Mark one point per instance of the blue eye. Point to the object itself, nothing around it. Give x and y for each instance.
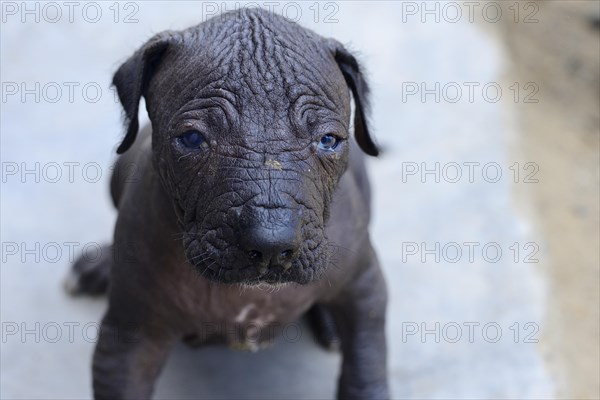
(328, 142)
(193, 140)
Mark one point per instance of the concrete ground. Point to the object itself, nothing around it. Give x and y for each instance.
(461, 324)
(561, 132)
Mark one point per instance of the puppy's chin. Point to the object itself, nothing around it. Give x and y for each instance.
(250, 277)
(265, 286)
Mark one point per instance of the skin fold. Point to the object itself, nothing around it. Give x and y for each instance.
(235, 211)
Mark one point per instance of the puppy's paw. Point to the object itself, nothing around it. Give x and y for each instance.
(90, 276)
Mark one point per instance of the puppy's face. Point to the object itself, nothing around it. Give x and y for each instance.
(250, 118)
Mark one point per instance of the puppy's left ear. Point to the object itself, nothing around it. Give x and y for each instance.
(131, 80)
(355, 79)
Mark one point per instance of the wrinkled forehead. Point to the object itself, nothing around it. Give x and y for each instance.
(255, 62)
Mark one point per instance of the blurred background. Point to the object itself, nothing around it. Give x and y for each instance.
(486, 211)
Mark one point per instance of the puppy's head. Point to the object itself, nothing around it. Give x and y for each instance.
(250, 116)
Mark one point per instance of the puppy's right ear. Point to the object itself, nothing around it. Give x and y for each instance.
(131, 80)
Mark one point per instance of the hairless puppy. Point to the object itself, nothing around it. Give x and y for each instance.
(246, 202)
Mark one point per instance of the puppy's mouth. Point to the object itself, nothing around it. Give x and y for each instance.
(226, 267)
(250, 277)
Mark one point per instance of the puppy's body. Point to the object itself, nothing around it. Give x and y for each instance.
(204, 248)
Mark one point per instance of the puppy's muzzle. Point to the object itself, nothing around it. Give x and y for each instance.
(270, 238)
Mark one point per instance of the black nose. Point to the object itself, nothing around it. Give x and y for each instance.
(272, 239)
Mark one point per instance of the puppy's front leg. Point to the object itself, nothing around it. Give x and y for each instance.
(127, 361)
(359, 313)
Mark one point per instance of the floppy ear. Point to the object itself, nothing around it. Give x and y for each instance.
(357, 83)
(131, 80)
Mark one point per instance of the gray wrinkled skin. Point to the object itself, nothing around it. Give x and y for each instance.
(204, 234)
(262, 103)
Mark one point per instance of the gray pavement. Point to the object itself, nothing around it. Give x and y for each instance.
(495, 303)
